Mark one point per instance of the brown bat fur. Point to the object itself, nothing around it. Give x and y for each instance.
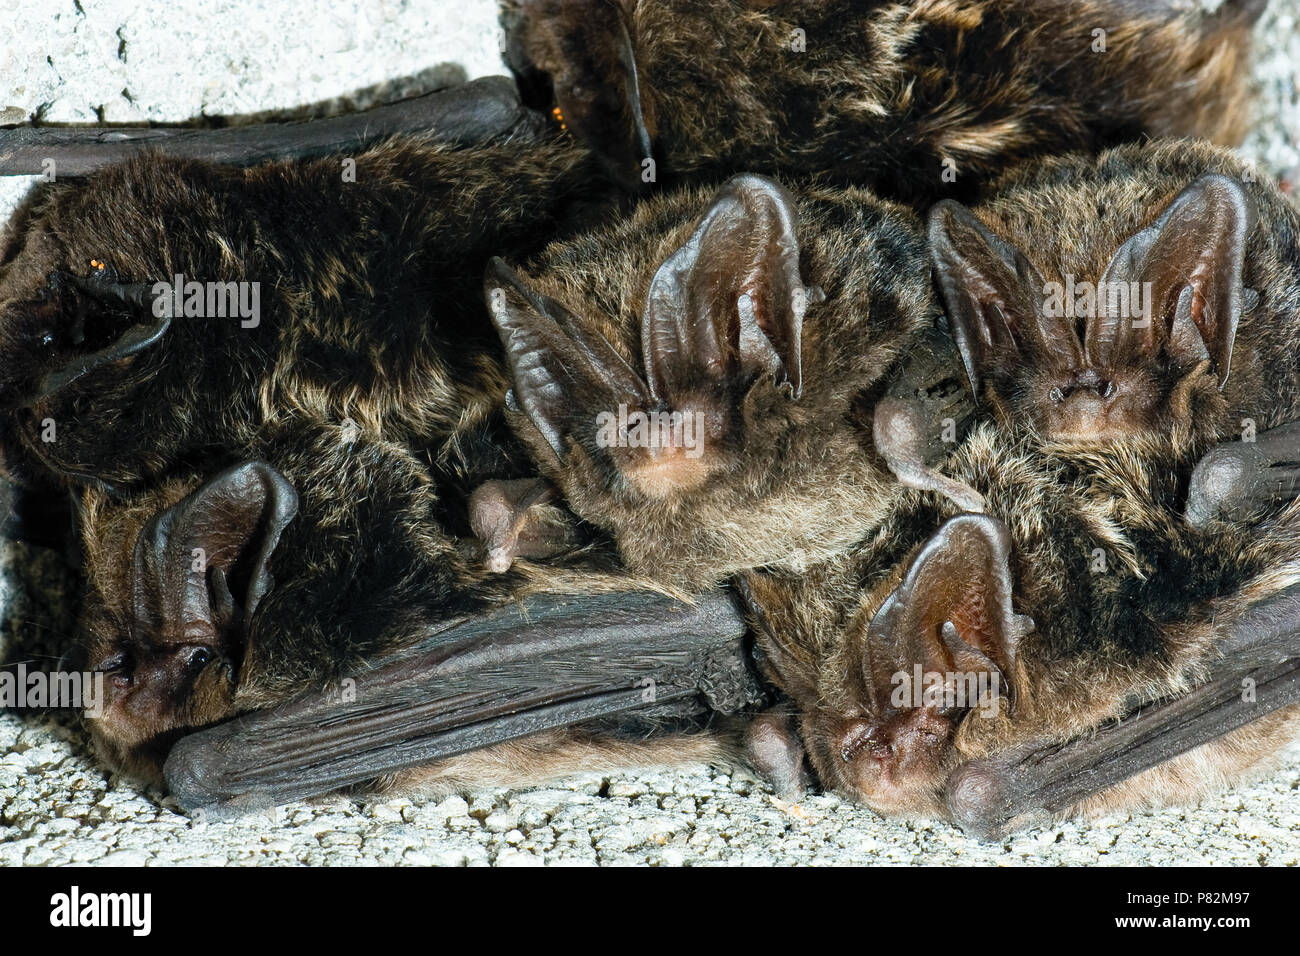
(883, 94)
(1101, 641)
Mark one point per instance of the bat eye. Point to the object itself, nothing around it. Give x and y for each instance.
(1057, 395)
(1106, 389)
(199, 657)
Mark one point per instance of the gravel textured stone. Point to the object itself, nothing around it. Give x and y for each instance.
(126, 61)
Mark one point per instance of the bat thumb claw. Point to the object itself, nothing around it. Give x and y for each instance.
(977, 801)
(499, 560)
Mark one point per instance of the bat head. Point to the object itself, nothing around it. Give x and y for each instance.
(879, 723)
(578, 59)
(62, 338)
(1158, 323)
(168, 625)
(101, 372)
(691, 419)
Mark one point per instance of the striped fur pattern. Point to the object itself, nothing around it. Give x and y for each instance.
(885, 94)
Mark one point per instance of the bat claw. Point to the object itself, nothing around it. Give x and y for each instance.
(791, 806)
(499, 560)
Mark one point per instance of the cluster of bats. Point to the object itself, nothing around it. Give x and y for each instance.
(988, 347)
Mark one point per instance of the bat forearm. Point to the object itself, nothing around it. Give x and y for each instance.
(552, 662)
(482, 109)
(1260, 649)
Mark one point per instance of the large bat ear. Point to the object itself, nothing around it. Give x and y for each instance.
(730, 302)
(561, 372)
(995, 300)
(1192, 257)
(582, 51)
(201, 565)
(952, 614)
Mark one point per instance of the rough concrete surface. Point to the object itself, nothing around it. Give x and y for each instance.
(130, 61)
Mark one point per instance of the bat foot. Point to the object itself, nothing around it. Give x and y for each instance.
(1236, 480)
(978, 801)
(900, 437)
(1215, 480)
(187, 770)
(774, 749)
(520, 519)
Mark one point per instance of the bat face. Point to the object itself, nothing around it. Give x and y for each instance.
(70, 328)
(154, 695)
(879, 708)
(951, 615)
(110, 376)
(1158, 323)
(704, 408)
(984, 83)
(1099, 404)
(49, 330)
(1000, 631)
(174, 588)
(213, 595)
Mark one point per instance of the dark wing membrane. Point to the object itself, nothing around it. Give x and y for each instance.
(549, 662)
(992, 797)
(485, 108)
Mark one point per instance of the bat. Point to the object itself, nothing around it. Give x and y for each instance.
(1061, 653)
(674, 277)
(324, 566)
(1162, 296)
(341, 288)
(700, 379)
(935, 98)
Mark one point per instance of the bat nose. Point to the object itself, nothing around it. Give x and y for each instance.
(867, 737)
(1091, 383)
